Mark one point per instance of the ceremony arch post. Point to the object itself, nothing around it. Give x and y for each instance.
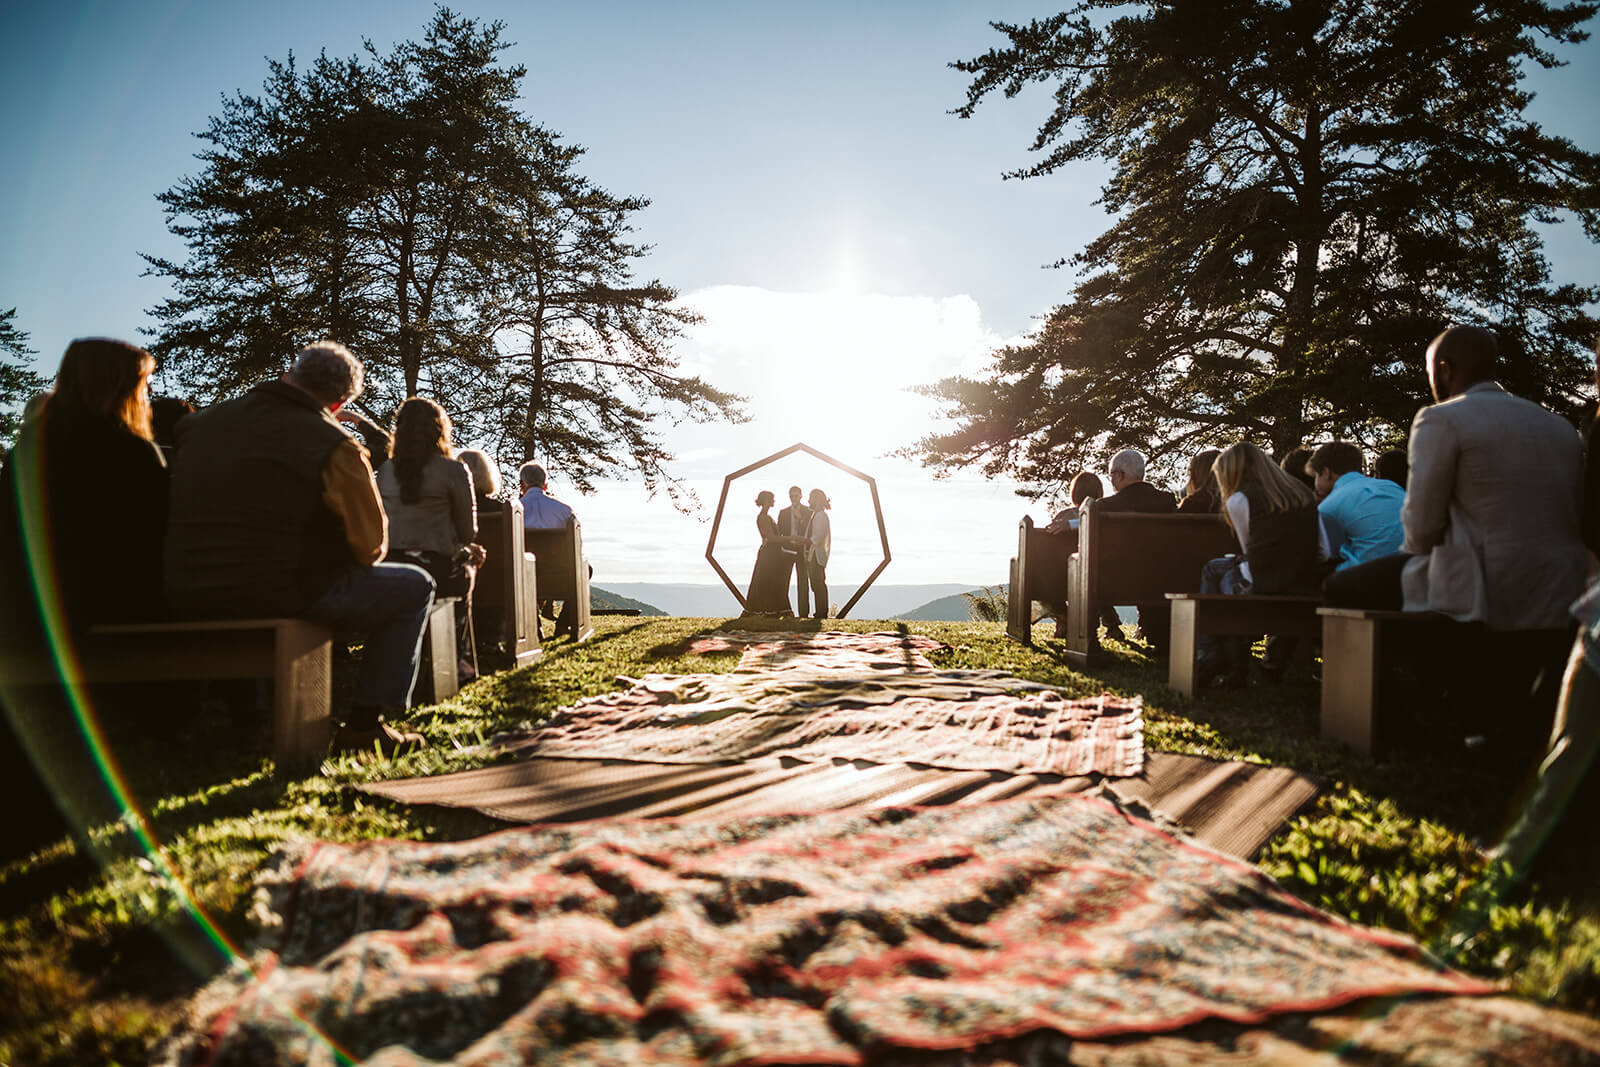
(722, 501)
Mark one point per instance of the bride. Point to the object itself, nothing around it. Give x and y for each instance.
(769, 582)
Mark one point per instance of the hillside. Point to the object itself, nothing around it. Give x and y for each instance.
(606, 600)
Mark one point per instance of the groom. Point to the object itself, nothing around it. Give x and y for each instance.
(794, 521)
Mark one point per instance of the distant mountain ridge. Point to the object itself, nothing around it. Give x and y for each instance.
(699, 600)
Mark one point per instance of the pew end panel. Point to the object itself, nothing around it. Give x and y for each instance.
(562, 572)
(1198, 614)
(506, 592)
(1134, 558)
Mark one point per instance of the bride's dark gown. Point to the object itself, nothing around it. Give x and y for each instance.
(769, 582)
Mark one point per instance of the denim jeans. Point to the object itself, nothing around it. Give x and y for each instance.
(1224, 576)
(387, 605)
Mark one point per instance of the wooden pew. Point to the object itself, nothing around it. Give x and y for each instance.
(1197, 614)
(1039, 572)
(1129, 558)
(505, 594)
(436, 675)
(563, 573)
(1355, 644)
(295, 654)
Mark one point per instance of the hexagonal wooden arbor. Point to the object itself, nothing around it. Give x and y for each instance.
(722, 501)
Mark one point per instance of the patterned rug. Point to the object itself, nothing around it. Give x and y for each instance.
(827, 650)
(962, 720)
(837, 938)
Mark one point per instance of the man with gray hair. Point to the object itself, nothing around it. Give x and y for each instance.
(1130, 492)
(540, 511)
(274, 512)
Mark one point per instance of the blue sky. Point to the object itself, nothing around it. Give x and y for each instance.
(810, 193)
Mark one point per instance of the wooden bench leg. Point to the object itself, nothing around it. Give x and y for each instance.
(1185, 650)
(1350, 665)
(302, 693)
(439, 681)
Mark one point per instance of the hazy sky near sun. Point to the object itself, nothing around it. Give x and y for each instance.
(844, 236)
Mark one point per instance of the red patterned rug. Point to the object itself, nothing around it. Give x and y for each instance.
(838, 938)
(963, 720)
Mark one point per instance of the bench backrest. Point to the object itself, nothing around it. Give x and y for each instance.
(1132, 558)
(563, 572)
(504, 590)
(1040, 573)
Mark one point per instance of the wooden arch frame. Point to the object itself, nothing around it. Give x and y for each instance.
(722, 501)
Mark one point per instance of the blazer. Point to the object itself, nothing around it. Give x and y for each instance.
(1491, 512)
(793, 521)
(821, 537)
(445, 514)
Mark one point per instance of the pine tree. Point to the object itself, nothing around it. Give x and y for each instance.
(400, 203)
(18, 381)
(1304, 192)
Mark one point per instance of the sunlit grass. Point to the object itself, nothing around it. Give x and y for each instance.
(97, 959)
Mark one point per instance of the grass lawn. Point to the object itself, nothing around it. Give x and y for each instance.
(99, 952)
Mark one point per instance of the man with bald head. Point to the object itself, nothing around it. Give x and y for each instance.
(1492, 504)
(1490, 519)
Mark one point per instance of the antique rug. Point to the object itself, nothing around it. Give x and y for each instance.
(827, 650)
(844, 937)
(962, 720)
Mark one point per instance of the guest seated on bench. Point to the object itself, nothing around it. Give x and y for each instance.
(275, 513)
(1360, 515)
(1200, 496)
(1491, 527)
(1130, 492)
(1392, 466)
(485, 479)
(1085, 486)
(541, 511)
(433, 521)
(1274, 517)
(85, 498)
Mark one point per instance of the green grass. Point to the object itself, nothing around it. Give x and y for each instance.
(99, 953)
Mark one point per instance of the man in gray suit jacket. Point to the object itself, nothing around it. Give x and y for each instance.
(1491, 538)
(1491, 508)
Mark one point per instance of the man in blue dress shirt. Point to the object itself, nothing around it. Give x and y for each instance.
(540, 512)
(1360, 515)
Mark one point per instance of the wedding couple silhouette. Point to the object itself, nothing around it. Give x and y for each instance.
(797, 542)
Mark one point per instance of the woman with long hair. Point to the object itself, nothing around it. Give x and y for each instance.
(1200, 496)
(433, 517)
(1274, 516)
(84, 502)
(769, 581)
(85, 496)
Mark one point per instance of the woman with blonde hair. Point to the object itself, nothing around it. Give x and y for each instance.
(1274, 516)
(485, 479)
(84, 464)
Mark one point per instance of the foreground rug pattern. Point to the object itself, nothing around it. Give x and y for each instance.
(963, 720)
(835, 938)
